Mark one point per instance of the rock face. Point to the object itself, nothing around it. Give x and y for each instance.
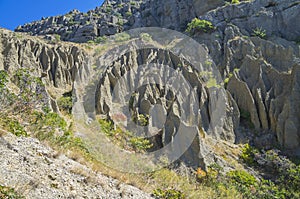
(263, 73)
(111, 18)
(37, 171)
(264, 82)
(115, 16)
(56, 64)
(172, 14)
(167, 109)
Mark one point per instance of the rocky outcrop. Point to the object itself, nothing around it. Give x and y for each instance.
(118, 15)
(111, 18)
(168, 109)
(172, 14)
(37, 171)
(56, 64)
(263, 71)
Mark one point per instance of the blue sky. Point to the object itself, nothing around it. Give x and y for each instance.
(18, 12)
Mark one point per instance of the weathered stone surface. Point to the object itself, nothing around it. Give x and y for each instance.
(263, 70)
(277, 17)
(176, 107)
(115, 16)
(111, 18)
(55, 64)
(37, 171)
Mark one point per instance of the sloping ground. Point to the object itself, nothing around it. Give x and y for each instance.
(37, 171)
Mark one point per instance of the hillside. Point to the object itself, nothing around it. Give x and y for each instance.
(183, 99)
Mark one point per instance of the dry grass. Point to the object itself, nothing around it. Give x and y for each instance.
(2, 132)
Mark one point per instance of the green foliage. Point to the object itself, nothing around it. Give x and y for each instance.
(259, 32)
(57, 37)
(143, 120)
(140, 144)
(12, 125)
(146, 37)
(248, 154)
(198, 25)
(65, 102)
(3, 79)
(125, 139)
(291, 178)
(242, 177)
(226, 80)
(252, 188)
(140, 119)
(108, 9)
(122, 37)
(168, 194)
(99, 40)
(120, 22)
(9, 193)
(53, 120)
(71, 22)
(212, 82)
(45, 124)
(107, 127)
(128, 14)
(15, 128)
(235, 1)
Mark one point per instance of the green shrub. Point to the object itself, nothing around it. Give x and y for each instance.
(54, 120)
(106, 126)
(168, 194)
(15, 127)
(3, 79)
(143, 120)
(259, 32)
(91, 42)
(226, 80)
(198, 25)
(57, 37)
(128, 14)
(65, 103)
(242, 178)
(140, 144)
(108, 10)
(146, 37)
(12, 125)
(248, 154)
(99, 40)
(125, 139)
(291, 179)
(235, 1)
(9, 193)
(120, 22)
(122, 37)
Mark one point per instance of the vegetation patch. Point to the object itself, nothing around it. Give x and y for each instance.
(198, 25)
(122, 37)
(65, 103)
(259, 32)
(124, 139)
(9, 193)
(248, 154)
(168, 194)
